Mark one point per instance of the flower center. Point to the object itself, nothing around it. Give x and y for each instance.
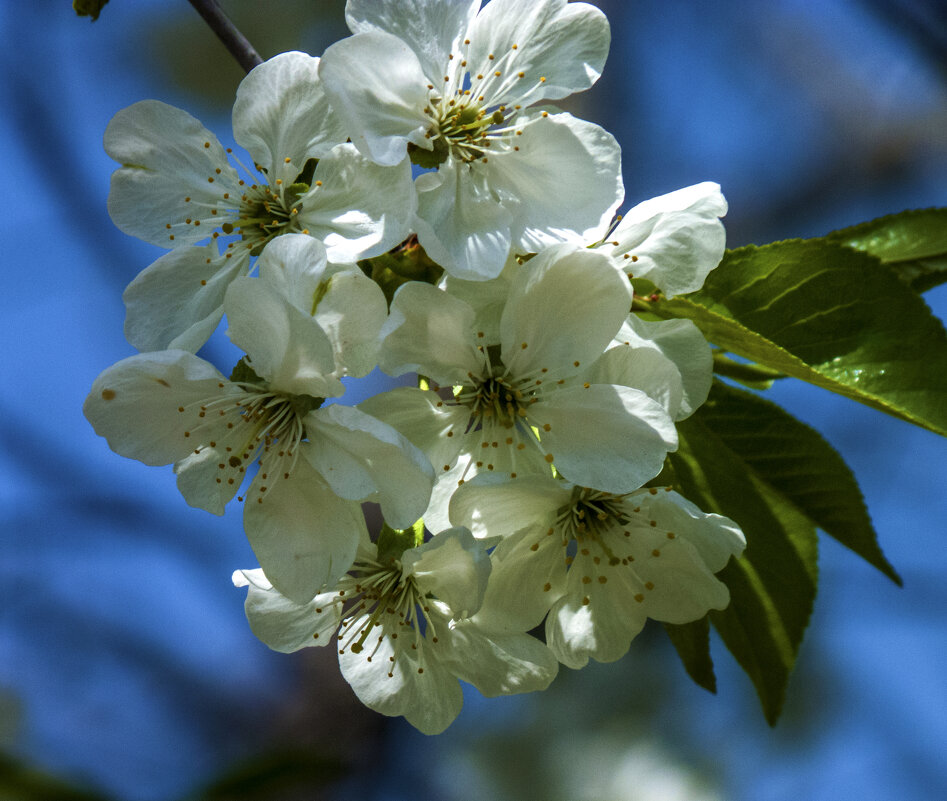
(589, 515)
(379, 598)
(263, 215)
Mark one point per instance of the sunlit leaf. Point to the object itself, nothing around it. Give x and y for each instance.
(832, 316)
(912, 243)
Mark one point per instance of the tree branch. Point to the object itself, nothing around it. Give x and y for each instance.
(227, 32)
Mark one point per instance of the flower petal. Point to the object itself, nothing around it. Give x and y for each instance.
(607, 437)
(282, 116)
(177, 302)
(496, 663)
(565, 306)
(284, 345)
(673, 240)
(563, 43)
(431, 28)
(376, 84)
(429, 332)
(402, 681)
(460, 222)
(493, 505)
(362, 458)
(304, 536)
(282, 624)
(358, 208)
(134, 404)
(565, 177)
(452, 566)
(166, 156)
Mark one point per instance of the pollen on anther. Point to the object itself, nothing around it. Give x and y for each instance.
(524, 346)
(671, 535)
(521, 74)
(586, 601)
(109, 394)
(206, 144)
(653, 523)
(549, 458)
(210, 180)
(639, 598)
(534, 546)
(547, 587)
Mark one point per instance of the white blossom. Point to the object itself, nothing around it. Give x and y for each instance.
(456, 90)
(401, 629)
(178, 187)
(598, 563)
(673, 240)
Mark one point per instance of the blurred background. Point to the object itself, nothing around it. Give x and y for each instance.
(127, 670)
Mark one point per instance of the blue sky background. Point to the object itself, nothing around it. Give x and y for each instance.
(125, 659)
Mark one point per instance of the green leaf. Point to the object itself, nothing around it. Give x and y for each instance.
(829, 315)
(773, 585)
(912, 243)
(692, 643)
(88, 8)
(392, 542)
(797, 462)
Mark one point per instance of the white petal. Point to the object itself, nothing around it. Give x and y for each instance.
(498, 664)
(428, 422)
(282, 624)
(486, 298)
(565, 306)
(414, 684)
(461, 224)
(282, 112)
(453, 567)
(377, 86)
(566, 177)
(673, 240)
(359, 209)
(564, 43)
(594, 619)
(304, 536)
(492, 505)
(429, 332)
(352, 312)
(177, 302)
(166, 156)
(362, 458)
(284, 345)
(642, 367)
(528, 576)
(430, 28)
(134, 404)
(294, 265)
(606, 437)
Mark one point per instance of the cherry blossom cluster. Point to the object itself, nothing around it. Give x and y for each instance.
(513, 477)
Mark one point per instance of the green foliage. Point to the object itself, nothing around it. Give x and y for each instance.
(243, 373)
(796, 461)
(392, 542)
(912, 243)
(773, 585)
(692, 643)
(88, 8)
(830, 315)
(746, 458)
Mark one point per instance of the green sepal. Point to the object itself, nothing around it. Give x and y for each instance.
(392, 542)
(243, 373)
(302, 184)
(692, 643)
(429, 159)
(912, 243)
(829, 315)
(408, 262)
(88, 8)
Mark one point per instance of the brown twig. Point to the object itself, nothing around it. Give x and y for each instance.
(227, 32)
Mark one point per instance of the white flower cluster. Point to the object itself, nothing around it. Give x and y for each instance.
(543, 405)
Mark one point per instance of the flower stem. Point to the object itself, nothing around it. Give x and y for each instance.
(238, 45)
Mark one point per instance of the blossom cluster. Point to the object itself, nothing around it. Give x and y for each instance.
(410, 203)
